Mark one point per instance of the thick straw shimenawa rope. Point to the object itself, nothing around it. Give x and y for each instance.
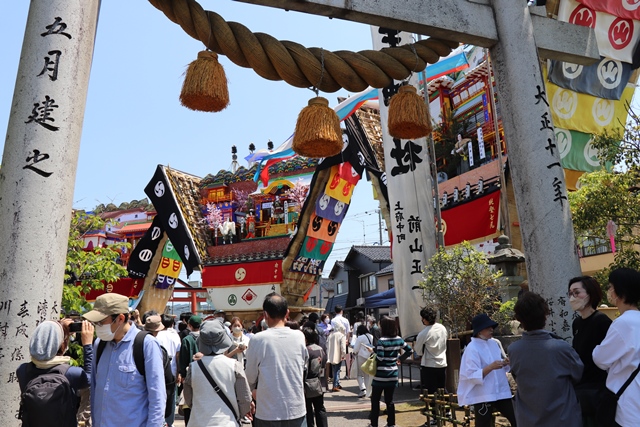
(294, 63)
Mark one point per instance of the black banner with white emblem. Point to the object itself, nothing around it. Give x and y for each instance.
(161, 195)
(142, 254)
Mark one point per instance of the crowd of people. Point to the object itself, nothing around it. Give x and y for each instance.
(558, 384)
(275, 372)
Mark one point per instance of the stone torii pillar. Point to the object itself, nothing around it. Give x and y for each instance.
(515, 37)
(38, 175)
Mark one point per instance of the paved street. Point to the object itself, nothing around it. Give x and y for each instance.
(345, 406)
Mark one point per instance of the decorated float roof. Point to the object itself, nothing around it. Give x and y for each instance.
(187, 189)
(284, 168)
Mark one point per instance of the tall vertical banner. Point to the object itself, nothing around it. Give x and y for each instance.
(410, 201)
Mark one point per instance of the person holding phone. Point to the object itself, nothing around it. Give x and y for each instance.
(483, 375)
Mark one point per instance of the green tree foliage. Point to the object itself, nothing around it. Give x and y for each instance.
(93, 268)
(460, 283)
(621, 149)
(605, 196)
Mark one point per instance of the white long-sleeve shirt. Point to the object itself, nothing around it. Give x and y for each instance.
(473, 388)
(619, 355)
(431, 343)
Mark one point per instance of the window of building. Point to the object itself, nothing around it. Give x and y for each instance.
(391, 283)
(373, 283)
(368, 283)
(364, 284)
(339, 288)
(313, 301)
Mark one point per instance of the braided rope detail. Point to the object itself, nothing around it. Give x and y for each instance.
(297, 65)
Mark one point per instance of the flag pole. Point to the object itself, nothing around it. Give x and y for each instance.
(504, 202)
(432, 159)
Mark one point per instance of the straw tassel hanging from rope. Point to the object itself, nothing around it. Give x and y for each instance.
(318, 132)
(205, 84)
(408, 115)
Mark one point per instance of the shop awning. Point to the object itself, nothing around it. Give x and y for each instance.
(383, 299)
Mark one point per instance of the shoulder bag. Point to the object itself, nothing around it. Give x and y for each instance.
(370, 365)
(224, 398)
(607, 402)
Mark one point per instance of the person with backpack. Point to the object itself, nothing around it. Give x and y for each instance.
(120, 393)
(313, 391)
(188, 349)
(49, 386)
(170, 340)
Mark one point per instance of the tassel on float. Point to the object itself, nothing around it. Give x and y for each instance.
(408, 115)
(318, 133)
(205, 84)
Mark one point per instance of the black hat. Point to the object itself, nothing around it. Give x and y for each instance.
(313, 317)
(480, 322)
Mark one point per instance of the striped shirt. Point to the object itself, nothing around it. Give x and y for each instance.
(387, 352)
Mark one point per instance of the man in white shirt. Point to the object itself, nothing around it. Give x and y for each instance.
(341, 320)
(431, 344)
(170, 340)
(276, 362)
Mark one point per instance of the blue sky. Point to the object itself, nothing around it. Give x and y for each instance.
(133, 119)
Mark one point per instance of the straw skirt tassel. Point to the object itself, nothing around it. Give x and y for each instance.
(408, 115)
(205, 84)
(318, 132)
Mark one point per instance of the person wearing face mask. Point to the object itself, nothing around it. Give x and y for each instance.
(483, 375)
(589, 329)
(120, 395)
(240, 341)
(545, 368)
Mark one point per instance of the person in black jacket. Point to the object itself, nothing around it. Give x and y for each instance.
(314, 395)
(589, 329)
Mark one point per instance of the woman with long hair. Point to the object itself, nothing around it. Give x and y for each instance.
(388, 350)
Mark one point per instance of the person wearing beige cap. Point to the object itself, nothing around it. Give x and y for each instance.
(154, 324)
(120, 395)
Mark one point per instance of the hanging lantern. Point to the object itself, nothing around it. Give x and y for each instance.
(205, 84)
(408, 115)
(318, 132)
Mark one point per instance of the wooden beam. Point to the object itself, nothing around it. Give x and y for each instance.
(458, 20)
(464, 21)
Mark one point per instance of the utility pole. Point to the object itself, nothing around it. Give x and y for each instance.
(380, 224)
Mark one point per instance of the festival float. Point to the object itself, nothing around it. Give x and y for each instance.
(253, 231)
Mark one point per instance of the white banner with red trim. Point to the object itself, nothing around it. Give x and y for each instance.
(241, 298)
(617, 37)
